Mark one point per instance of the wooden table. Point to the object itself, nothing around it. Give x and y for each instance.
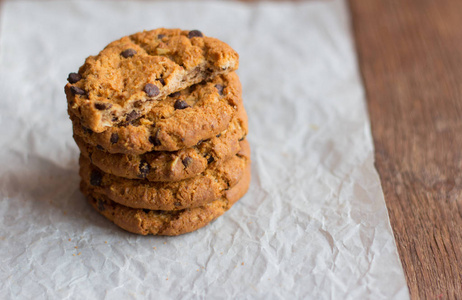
(410, 54)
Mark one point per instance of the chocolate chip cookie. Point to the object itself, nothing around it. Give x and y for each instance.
(203, 188)
(163, 165)
(157, 222)
(179, 121)
(132, 75)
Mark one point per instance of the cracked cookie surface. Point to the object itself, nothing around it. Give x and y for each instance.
(131, 75)
(203, 188)
(156, 222)
(179, 121)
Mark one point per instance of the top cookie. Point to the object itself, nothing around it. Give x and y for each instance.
(127, 78)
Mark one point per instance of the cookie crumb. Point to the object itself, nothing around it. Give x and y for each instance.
(314, 126)
(73, 254)
(79, 253)
(165, 243)
(105, 242)
(242, 264)
(154, 248)
(76, 247)
(69, 240)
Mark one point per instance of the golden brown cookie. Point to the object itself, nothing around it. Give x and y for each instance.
(156, 222)
(207, 109)
(163, 165)
(131, 75)
(166, 166)
(203, 188)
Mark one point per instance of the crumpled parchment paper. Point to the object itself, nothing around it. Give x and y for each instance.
(314, 222)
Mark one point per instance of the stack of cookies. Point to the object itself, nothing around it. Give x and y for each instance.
(159, 120)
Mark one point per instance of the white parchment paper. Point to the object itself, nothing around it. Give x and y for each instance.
(314, 223)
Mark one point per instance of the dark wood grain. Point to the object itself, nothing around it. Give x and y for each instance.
(410, 54)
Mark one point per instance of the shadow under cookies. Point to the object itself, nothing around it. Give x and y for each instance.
(39, 189)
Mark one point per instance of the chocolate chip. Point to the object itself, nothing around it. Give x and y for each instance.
(180, 104)
(220, 88)
(151, 90)
(144, 169)
(77, 91)
(195, 33)
(74, 77)
(160, 36)
(210, 159)
(87, 130)
(128, 53)
(96, 178)
(99, 147)
(154, 140)
(100, 205)
(138, 104)
(186, 161)
(218, 135)
(146, 210)
(200, 142)
(176, 94)
(103, 106)
(241, 139)
(161, 80)
(132, 116)
(114, 138)
(177, 204)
